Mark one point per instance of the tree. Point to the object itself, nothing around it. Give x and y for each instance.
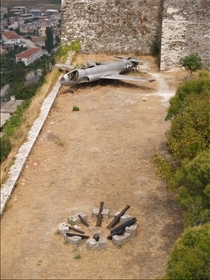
(49, 39)
(191, 62)
(193, 181)
(190, 258)
(190, 119)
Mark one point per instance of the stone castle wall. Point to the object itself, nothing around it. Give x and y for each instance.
(116, 26)
(132, 26)
(185, 29)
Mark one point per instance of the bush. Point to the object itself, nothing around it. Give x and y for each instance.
(16, 119)
(64, 49)
(191, 255)
(191, 62)
(5, 147)
(193, 181)
(75, 108)
(192, 87)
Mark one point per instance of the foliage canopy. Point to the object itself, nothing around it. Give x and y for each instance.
(191, 62)
(187, 172)
(190, 258)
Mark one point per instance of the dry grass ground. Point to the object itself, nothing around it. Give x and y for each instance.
(101, 153)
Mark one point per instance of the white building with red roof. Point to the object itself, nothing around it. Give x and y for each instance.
(11, 37)
(29, 56)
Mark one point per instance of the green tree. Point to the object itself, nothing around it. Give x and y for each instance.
(190, 120)
(49, 39)
(193, 181)
(190, 258)
(191, 62)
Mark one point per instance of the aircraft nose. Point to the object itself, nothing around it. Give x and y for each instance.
(62, 79)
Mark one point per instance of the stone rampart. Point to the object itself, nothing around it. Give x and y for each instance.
(185, 29)
(132, 26)
(114, 26)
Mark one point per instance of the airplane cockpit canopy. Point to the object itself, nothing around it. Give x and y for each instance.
(73, 75)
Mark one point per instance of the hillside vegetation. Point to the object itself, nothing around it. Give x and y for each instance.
(187, 173)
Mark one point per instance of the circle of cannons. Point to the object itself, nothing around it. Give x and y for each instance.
(122, 228)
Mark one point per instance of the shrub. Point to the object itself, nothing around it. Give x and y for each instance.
(191, 62)
(75, 108)
(190, 256)
(5, 147)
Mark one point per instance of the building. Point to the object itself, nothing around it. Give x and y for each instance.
(39, 41)
(11, 38)
(36, 12)
(18, 10)
(29, 56)
(3, 11)
(7, 110)
(42, 31)
(28, 28)
(3, 24)
(50, 12)
(27, 16)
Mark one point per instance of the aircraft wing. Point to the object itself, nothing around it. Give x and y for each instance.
(125, 77)
(64, 66)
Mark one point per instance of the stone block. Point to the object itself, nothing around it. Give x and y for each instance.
(74, 240)
(74, 219)
(92, 244)
(124, 218)
(63, 228)
(119, 240)
(131, 229)
(105, 213)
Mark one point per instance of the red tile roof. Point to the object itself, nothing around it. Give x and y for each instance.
(11, 35)
(27, 53)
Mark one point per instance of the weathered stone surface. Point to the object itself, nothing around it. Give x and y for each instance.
(92, 244)
(63, 228)
(111, 26)
(131, 229)
(119, 240)
(74, 240)
(124, 218)
(74, 219)
(185, 29)
(105, 213)
(132, 26)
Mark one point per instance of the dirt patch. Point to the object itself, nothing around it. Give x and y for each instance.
(101, 153)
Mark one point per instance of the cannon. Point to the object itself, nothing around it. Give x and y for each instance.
(119, 230)
(117, 218)
(99, 215)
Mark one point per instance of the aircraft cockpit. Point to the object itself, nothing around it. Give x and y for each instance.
(73, 76)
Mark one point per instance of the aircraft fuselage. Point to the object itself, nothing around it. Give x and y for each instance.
(94, 73)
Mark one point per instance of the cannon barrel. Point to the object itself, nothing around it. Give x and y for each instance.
(99, 215)
(117, 218)
(120, 232)
(83, 221)
(123, 226)
(76, 229)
